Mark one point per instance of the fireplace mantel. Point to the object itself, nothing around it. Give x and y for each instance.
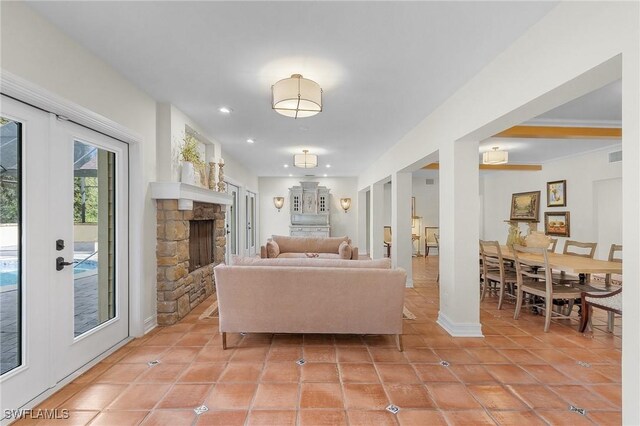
(186, 194)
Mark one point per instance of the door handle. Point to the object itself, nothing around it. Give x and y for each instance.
(60, 263)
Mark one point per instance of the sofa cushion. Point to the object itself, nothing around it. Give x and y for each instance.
(317, 262)
(273, 250)
(308, 244)
(344, 250)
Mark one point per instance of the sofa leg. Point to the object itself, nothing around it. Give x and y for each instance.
(224, 340)
(399, 342)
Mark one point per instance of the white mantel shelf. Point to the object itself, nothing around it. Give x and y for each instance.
(186, 194)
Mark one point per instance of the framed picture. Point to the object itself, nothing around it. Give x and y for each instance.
(557, 193)
(557, 223)
(525, 206)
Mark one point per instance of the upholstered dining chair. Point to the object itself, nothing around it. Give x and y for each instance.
(534, 277)
(610, 302)
(494, 270)
(387, 239)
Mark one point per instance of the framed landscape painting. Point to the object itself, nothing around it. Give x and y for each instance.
(557, 193)
(525, 206)
(557, 223)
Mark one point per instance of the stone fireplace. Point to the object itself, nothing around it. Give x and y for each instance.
(190, 243)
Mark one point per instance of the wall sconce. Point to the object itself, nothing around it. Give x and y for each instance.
(345, 203)
(278, 202)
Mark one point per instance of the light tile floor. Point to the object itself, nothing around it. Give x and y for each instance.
(517, 374)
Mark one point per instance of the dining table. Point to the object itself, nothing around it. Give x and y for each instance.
(570, 264)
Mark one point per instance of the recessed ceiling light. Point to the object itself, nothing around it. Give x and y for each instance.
(225, 110)
(250, 141)
(328, 166)
(286, 165)
(325, 175)
(290, 175)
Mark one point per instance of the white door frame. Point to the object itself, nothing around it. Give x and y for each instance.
(27, 92)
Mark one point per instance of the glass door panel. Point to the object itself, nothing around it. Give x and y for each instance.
(10, 245)
(94, 232)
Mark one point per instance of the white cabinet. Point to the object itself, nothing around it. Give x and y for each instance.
(310, 207)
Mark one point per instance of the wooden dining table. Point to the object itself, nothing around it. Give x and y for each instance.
(566, 262)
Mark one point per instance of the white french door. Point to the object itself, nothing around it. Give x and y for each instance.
(232, 221)
(64, 265)
(251, 223)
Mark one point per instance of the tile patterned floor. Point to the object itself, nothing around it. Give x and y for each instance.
(517, 374)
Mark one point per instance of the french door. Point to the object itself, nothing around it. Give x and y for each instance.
(251, 223)
(63, 253)
(232, 221)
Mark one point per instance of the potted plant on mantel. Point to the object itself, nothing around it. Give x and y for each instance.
(193, 168)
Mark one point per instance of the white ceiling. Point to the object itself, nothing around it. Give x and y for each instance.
(384, 66)
(600, 106)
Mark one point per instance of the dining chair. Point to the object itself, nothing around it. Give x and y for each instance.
(494, 270)
(613, 257)
(534, 277)
(610, 302)
(437, 238)
(552, 245)
(576, 248)
(387, 239)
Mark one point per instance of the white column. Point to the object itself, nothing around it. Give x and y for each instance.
(376, 205)
(401, 244)
(459, 233)
(362, 221)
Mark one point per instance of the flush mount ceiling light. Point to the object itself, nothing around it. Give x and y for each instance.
(225, 110)
(250, 141)
(305, 160)
(296, 97)
(495, 157)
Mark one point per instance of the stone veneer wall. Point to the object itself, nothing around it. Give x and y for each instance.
(178, 290)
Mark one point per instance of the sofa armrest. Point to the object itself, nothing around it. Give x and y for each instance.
(263, 252)
(354, 253)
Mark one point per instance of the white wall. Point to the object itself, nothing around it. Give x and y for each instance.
(274, 222)
(582, 173)
(427, 206)
(36, 51)
(573, 50)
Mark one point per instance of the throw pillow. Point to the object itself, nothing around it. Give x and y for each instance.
(344, 250)
(273, 249)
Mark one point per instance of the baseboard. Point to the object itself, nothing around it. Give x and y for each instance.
(70, 378)
(459, 329)
(150, 323)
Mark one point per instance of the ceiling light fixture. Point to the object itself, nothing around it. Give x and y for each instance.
(296, 97)
(328, 166)
(286, 165)
(225, 110)
(305, 160)
(250, 141)
(495, 157)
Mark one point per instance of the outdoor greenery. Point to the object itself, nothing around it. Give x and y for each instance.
(89, 212)
(8, 200)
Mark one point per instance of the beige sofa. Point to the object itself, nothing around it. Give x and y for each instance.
(298, 296)
(303, 247)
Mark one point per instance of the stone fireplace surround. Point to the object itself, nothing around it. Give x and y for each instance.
(178, 290)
